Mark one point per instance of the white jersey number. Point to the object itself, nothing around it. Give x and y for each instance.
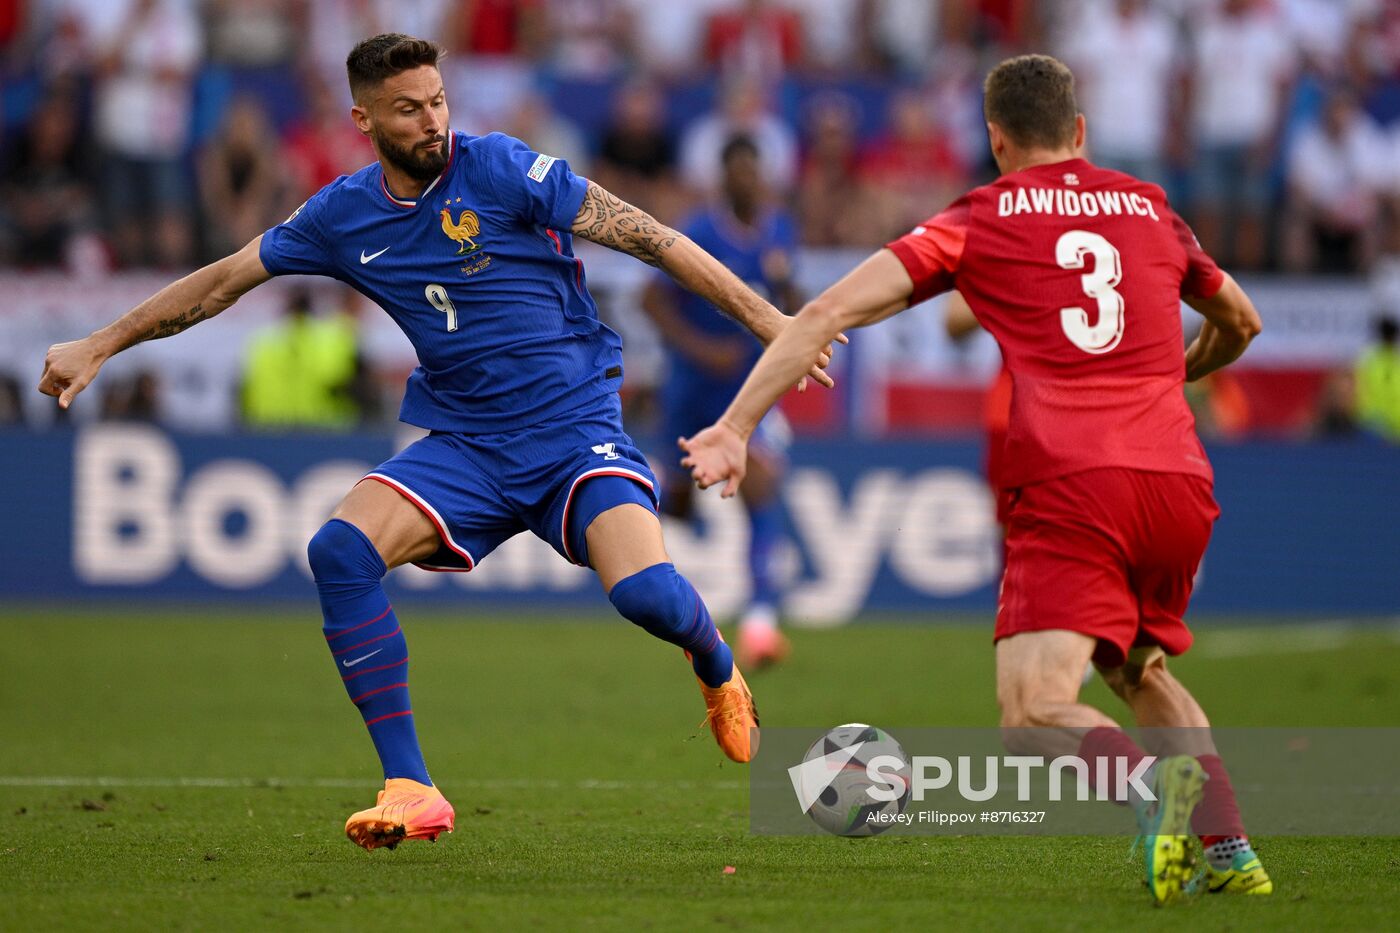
(437, 297)
(1099, 285)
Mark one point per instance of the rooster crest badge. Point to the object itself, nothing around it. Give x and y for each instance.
(461, 232)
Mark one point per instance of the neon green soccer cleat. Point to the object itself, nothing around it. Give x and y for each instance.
(1244, 876)
(1178, 784)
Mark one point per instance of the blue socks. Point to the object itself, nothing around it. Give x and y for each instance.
(665, 604)
(765, 531)
(366, 643)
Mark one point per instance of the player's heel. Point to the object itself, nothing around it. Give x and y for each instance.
(1178, 784)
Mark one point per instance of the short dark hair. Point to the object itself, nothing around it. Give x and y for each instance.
(1031, 97)
(738, 145)
(386, 55)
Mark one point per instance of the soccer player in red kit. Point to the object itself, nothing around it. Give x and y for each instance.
(1078, 272)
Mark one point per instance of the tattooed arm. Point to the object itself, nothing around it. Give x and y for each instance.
(69, 367)
(606, 219)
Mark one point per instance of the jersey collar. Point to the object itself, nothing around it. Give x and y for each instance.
(409, 205)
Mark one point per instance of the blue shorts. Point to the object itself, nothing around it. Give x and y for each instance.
(482, 489)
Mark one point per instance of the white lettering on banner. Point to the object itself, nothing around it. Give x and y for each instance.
(215, 492)
(123, 530)
(129, 502)
(845, 544)
(716, 562)
(945, 543)
(137, 515)
(314, 496)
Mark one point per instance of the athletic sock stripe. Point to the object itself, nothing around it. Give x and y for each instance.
(371, 693)
(370, 722)
(375, 670)
(331, 638)
(370, 641)
(709, 642)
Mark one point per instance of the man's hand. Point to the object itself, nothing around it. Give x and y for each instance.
(69, 367)
(717, 453)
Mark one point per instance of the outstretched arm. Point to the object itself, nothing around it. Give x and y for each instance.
(69, 367)
(878, 288)
(610, 221)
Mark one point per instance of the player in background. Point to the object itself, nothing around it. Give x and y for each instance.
(709, 356)
(466, 242)
(1078, 273)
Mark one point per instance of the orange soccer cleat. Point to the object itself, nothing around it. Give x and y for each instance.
(732, 717)
(405, 810)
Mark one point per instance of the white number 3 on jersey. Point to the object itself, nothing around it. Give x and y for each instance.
(1070, 251)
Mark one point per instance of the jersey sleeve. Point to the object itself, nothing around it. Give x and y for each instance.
(538, 188)
(299, 245)
(932, 252)
(1203, 277)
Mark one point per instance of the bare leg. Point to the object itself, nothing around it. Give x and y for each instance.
(1161, 704)
(1038, 679)
(400, 533)
(624, 541)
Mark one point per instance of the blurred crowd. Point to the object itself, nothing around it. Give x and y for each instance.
(162, 133)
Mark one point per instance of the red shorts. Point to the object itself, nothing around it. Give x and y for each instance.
(1111, 553)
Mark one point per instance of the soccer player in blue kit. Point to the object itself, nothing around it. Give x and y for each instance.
(466, 242)
(709, 356)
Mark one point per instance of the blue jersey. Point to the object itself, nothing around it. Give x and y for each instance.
(743, 250)
(479, 272)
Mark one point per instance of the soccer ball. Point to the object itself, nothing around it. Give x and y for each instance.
(845, 806)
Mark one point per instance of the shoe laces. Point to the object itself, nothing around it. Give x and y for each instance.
(725, 714)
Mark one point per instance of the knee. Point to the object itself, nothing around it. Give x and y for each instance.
(1019, 720)
(339, 551)
(1030, 702)
(1142, 671)
(1021, 708)
(1023, 714)
(656, 596)
(1116, 679)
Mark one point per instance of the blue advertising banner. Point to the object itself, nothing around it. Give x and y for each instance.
(124, 511)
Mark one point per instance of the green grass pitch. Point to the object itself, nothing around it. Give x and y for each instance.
(233, 757)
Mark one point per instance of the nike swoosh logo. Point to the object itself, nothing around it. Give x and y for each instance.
(358, 660)
(373, 256)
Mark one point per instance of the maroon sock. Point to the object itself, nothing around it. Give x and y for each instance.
(1119, 749)
(1218, 815)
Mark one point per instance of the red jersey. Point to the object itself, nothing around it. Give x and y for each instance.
(1078, 272)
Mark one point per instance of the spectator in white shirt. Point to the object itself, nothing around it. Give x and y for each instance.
(1244, 63)
(1124, 56)
(1336, 172)
(742, 112)
(143, 98)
